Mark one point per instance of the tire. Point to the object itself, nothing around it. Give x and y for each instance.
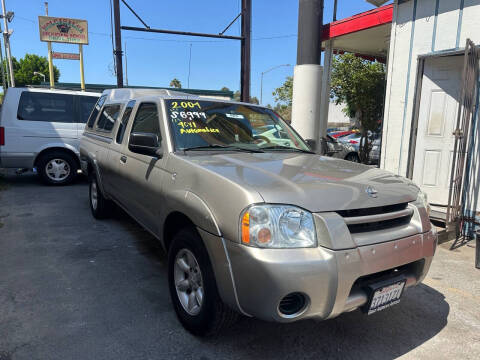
(353, 157)
(57, 168)
(99, 206)
(210, 315)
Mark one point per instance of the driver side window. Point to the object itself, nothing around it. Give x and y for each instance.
(147, 120)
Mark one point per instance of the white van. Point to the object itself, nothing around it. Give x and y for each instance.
(41, 128)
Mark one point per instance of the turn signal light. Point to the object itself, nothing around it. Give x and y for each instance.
(2, 135)
(246, 228)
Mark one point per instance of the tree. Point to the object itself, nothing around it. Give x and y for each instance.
(224, 89)
(283, 96)
(23, 70)
(284, 93)
(175, 83)
(360, 85)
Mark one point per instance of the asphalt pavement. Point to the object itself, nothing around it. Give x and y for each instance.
(72, 287)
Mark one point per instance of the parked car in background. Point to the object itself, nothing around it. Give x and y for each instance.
(354, 141)
(341, 150)
(340, 134)
(41, 128)
(252, 226)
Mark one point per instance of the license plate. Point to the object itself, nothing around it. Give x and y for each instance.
(386, 296)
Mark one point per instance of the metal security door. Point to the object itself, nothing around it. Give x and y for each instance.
(461, 133)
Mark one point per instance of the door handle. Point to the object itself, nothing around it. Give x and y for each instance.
(123, 159)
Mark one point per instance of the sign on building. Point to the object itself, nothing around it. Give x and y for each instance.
(63, 30)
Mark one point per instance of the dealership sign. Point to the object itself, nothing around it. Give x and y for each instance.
(63, 30)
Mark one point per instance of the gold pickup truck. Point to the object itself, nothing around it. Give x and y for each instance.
(254, 223)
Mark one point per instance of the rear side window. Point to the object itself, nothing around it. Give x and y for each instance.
(95, 111)
(85, 104)
(123, 124)
(146, 119)
(37, 106)
(107, 117)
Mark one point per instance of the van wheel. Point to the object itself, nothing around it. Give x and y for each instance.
(193, 287)
(99, 206)
(57, 168)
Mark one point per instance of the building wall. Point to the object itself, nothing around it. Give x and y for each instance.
(336, 116)
(419, 27)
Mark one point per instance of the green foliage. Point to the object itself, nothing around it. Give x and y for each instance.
(236, 97)
(23, 70)
(284, 93)
(175, 83)
(360, 85)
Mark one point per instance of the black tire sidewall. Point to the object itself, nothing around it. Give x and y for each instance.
(101, 211)
(43, 161)
(202, 323)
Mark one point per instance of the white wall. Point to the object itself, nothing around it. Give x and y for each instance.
(337, 116)
(418, 30)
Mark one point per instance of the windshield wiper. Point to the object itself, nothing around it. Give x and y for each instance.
(281, 147)
(226, 147)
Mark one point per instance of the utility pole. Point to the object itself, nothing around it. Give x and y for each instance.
(6, 38)
(118, 43)
(245, 51)
(307, 77)
(4, 84)
(51, 74)
(126, 66)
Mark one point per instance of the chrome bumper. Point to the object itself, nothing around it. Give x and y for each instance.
(254, 280)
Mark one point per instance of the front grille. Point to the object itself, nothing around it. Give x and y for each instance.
(376, 218)
(379, 225)
(373, 210)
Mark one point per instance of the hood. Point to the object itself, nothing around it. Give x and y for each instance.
(313, 182)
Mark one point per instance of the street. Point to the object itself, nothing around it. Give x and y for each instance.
(72, 287)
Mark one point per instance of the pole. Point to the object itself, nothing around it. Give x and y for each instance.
(82, 74)
(306, 108)
(189, 66)
(6, 37)
(118, 43)
(126, 65)
(51, 75)
(261, 89)
(4, 85)
(245, 51)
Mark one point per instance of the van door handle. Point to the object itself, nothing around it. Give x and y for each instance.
(123, 159)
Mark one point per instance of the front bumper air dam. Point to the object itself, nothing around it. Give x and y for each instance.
(262, 277)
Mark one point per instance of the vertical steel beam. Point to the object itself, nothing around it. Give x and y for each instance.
(118, 43)
(245, 51)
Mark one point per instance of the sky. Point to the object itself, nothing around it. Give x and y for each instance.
(155, 59)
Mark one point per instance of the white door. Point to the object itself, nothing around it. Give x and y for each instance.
(441, 86)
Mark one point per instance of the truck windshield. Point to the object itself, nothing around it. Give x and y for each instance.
(222, 126)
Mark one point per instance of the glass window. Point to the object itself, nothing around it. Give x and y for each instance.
(38, 106)
(95, 111)
(207, 124)
(146, 119)
(86, 104)
(124, 122)
(107, 118)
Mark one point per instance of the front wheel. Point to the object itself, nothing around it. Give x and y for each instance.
(193, 288)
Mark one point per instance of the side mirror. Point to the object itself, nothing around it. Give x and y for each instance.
(311, 143)
(146, 144)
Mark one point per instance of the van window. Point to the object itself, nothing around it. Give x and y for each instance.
(85, 104)
(123, 124)
(95, 111)
(38, 106)
(107, 117)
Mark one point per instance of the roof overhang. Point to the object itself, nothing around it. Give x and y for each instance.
(366, 34)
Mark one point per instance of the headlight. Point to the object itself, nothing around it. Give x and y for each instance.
(277, 226)
(423, 199)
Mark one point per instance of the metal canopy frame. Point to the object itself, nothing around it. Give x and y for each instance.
(245, 39)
